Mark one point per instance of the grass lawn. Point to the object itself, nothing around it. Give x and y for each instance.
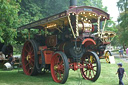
(107, 77)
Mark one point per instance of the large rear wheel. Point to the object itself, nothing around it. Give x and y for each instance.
(92, 66)
(28, 58)
(59, 67)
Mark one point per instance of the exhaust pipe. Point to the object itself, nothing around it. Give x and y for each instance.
(73, 4)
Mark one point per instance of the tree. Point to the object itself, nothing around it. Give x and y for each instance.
(51, 7)
(123, 20)
(32, 10)
(29, 12)
(8, 20)
(93, 3)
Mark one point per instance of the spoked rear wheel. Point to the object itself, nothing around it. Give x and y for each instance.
(92, 66)
(28, 58)
(59, 67)
(107, 55)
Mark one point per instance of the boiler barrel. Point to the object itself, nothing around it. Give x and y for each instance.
(68, 49)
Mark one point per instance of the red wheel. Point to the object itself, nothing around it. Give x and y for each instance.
(59, 67)
(92, 68)
(28, 58)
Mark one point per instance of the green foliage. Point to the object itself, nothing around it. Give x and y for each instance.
(93, 3)
(111, 26)
(123, 20)
(122, 5)
(124, 37)
(32, 10)
(51, 7)
(8, 20)
(29, 12)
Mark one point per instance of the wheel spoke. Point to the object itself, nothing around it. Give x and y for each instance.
(26, 64)
(32, 52)
(60, 76)
(61, 62)
(57, 60)
(62, 70)
(29, 70)
(32, 64)
(29, 46)
(88, 60)
(55, 73)
(85, 71)
(93, 72)
(26, 50)
(85, 62)
(32, 59)
(93, 66)
(90, 73)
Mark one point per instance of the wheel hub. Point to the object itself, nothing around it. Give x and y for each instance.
(28, 57)
(77, 50)
(89, 66)
(55, 67)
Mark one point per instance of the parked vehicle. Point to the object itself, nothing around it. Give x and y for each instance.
(64, 44)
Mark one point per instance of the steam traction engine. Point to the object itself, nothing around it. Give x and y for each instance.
(63, 43)
(103, 39)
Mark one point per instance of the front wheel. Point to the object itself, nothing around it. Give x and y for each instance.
(107, 55)
(92, 66)
(59, 67)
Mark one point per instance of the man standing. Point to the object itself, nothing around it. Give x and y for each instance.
(121, 52)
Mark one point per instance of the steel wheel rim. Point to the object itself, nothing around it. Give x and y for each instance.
(90, 69)
(28, 58)
(57, 68)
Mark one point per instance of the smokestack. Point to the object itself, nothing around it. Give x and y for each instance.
(73, 3)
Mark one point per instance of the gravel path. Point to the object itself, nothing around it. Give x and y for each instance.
(125, 58)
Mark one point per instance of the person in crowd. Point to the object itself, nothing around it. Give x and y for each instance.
(9, 65)
(120, 73)
(11, 59)
(127, 52)
(121, 52)
(2, 56)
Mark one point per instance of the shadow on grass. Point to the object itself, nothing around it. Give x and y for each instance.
(14, 77)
